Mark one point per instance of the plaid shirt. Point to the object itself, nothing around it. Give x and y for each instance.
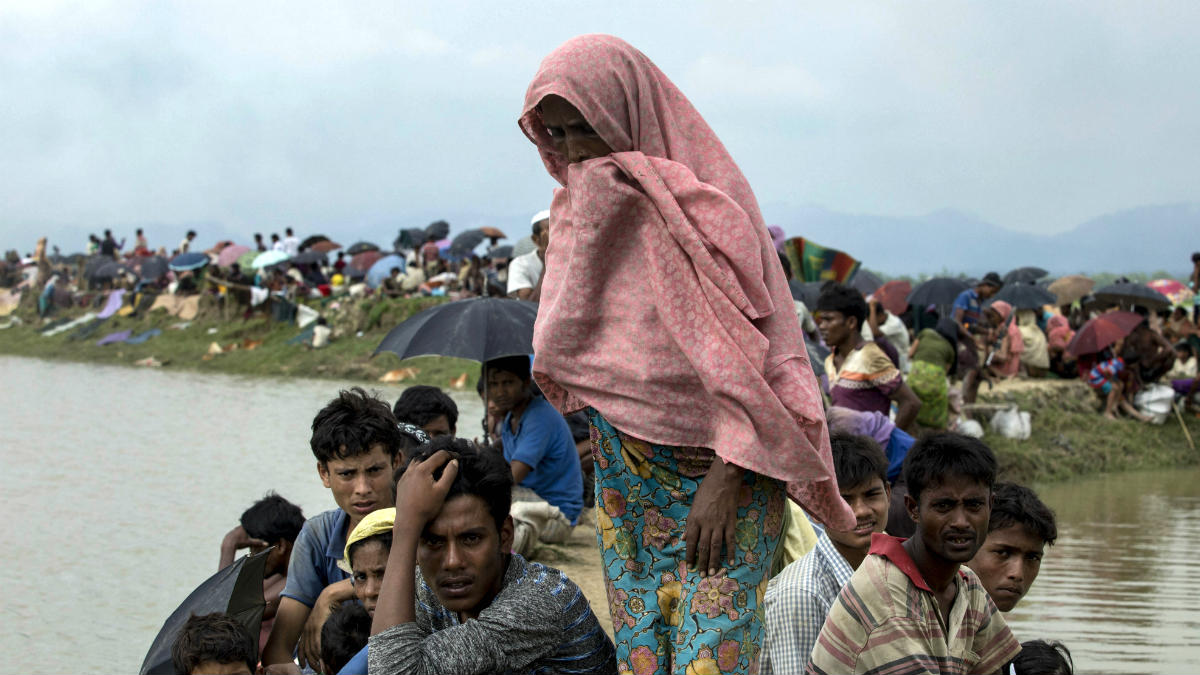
(797, 602)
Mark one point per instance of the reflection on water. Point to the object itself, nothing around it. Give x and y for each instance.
(1121, 587)
(118, 485)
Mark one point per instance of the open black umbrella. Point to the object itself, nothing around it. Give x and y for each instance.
(1129, 294)
(479, 329)
(438, 229)
(309, 241)
(110, 270)
(466, 242)
(1025, 296)
(499, 252)
(409, 237)
(806, 291)
(865, 281)
(1025, 275)
(308, 257)
(236, 590)
(361, 247)
(93, 265)
(937, 291)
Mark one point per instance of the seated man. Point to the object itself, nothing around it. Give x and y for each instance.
(429, 408)
(271, 521)
(1019, 530)
(454, 600)
(214, 643)
(541, 451)
(911, 607)
(799, 598)
(357, 446)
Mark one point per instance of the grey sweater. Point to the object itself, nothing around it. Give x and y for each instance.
(540, 622)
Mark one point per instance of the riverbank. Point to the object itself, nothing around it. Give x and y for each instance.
(1070, 439)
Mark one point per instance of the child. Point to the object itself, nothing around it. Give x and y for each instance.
(343, 636)
(365, 558)
(1039, 657)
(212, 644)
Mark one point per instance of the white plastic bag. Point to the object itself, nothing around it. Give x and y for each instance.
(1155, 400)
(970, 428)
(1012, 423)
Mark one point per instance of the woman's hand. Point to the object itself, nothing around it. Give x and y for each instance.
(713, 518)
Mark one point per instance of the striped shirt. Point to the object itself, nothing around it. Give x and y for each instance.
(797, 602)
(540, 622)
(887, 620)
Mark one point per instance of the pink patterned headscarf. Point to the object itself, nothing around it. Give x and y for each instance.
(663, 303)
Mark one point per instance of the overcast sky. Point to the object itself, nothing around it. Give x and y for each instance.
(361, 116)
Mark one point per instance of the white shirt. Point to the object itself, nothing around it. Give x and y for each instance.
(291, 246)
(277, 246)
(896, 333)
(524, 272)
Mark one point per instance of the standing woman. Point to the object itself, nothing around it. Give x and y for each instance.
(665, 314)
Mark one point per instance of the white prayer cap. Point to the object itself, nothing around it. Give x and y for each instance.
(540, 215)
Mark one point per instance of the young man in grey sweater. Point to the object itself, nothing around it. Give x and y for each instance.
(454, 600)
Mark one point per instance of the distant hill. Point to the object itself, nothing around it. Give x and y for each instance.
(1143, 239)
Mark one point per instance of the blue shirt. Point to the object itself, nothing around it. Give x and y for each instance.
(357, 665)
(544, 442)
(315, 556)
(968, 301)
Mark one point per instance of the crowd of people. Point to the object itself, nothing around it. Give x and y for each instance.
(750, 515)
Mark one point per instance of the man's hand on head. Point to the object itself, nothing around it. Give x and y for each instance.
(419, 494)
(234, 541)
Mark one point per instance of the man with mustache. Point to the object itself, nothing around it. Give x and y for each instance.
(798, 600)
(912, 606)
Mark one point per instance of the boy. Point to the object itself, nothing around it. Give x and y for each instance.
(911, 607)
(357, 446)
(213, 644)
(798, 600)
(429, 408)
(1020, 529)
(474, 607)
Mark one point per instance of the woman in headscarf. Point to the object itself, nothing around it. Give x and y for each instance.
(1036, 354)
(1005, 359)
(933, 356)
(665, 314)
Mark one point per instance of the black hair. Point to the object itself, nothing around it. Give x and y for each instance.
(857, 459)
(344, 634)
(482, 472)
(1039, 657)
(273, 518)
(1196, 257)
(213, 637)
(191, 233)
(384, 538)
(787, 266)
(287, 231)
(138, 231)
(842, 298)
(1014, 504)
(257, 236)
(517, 365)
(422, 404)
(350, 424)
(946, 453)
(538, 226)
(274, 237)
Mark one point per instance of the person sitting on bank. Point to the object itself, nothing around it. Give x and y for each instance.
(798, 600)
(1019, 530)
(271, 521)
(912, 606)
(393, 285)
(357, 446)
(428, 408)
(455, 600)
(862, 375)
(214, 643)
(538, 445)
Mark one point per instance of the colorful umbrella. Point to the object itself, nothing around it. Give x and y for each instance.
(1071, 288)
(245, 261)
(1102, 331)
(230, 254)
(325, 246)
(310, 241)
(1176, 291)
(268, 258)
(894, 295)
(364, 260)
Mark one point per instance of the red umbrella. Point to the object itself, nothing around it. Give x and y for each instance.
(1102, 331)
(364, 260)
(894, 295)
(324, 246)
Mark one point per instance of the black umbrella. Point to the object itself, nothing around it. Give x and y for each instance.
(438, 229)
(1129, 294)
(1025, 275)
(1026, 296)
(93, 264)
(308, 257)
(479, 329)
(309, 241)
(806, 291)
(505, 251)
(466, 242)
(236, 590)
(110, 270)
(937, 291)
(410, 237)
(153, 267)
(361, 247)
(865, 282)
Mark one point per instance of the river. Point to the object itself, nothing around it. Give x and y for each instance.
(119, 484)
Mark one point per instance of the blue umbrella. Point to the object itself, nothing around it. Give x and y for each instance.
(382, 269)
(189, 261)
(268, 258)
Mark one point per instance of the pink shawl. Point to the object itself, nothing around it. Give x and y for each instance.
(663, 302)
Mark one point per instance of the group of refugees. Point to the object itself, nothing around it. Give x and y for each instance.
(737, 533)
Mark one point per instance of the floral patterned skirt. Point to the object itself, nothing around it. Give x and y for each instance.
(668, 619)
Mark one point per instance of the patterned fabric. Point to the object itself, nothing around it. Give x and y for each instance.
(797, 602)
(865, 381)
(1011, 333)
(928, 382)
(1103, 374)
(887, 620)
(686, 335)
(813, 262)
(666, 618)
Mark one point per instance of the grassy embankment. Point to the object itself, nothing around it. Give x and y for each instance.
(1070, 438)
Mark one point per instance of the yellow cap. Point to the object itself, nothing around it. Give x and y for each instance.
(376, 522)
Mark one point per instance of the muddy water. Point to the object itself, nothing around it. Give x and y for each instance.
(119, 483)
